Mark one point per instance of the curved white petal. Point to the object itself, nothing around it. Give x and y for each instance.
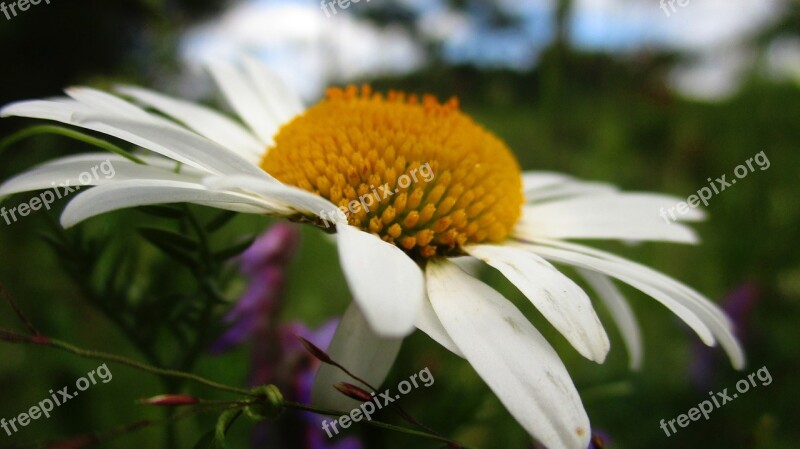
(172, 142)
(202, 120)
(245, 98)
(620, 311)
(69, 170)
(658, 278)
(511, 356)
(141, 192)
(386, 283)
(103, 102)
(364, 353)
(58, 109)
(167, 139)
(624, 216)
(558, 298)
(429, 323)
(697, 311)
(274, 192)
(281, 99)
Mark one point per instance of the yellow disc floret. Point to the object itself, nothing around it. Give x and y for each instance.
(419, 174)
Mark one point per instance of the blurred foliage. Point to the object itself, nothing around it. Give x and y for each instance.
(591, 115)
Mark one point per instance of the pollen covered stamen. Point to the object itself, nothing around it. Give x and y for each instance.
(436, 179)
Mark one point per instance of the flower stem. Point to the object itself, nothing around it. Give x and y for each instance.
(102, 356)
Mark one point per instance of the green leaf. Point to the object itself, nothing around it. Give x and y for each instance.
(162, 211)
(180, 248)
(220, 220)
(232, 251)
(206, 441)
(169, 238)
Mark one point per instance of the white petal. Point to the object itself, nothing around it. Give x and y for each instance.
(172, 142)
(511, 356)
(428, 322)
(628, 216)
(125, 194)
(272, 191)
(386, 283)
(364, 353)
(556, 296)
(281, 99)
(58, 109)
(167, 140)
(543, 186)
(469, 264)
(246, 100)
(620, 311)
(696, 310)
(68, 171)
(202, 120)
(103, 102)
(673, 304)
(537, 180)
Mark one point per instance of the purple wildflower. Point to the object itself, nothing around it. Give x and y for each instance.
(738, 304)
(277, 357)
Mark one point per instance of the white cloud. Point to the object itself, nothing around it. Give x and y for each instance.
(307, 48)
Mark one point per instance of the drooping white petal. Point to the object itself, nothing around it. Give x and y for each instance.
(168, 140)
(511, 356)
(620, 311)
(624, 216)
(141, 192)
(387, 285)
(100, 168)
(363, 352)
(429, 323)
(246, 100)
(673, 304)
(557, 297)
(694, 309)
(668, 283)
(281, 99)
(202, 120)
(272, 191)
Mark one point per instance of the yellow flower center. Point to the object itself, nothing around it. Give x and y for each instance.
(419, 174)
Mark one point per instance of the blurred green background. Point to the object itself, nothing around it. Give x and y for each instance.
(618, 111)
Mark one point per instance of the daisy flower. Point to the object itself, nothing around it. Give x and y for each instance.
(407, 258)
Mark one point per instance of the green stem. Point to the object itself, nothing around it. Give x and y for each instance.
(146, 368)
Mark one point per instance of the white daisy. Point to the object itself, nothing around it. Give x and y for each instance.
(404, 259)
